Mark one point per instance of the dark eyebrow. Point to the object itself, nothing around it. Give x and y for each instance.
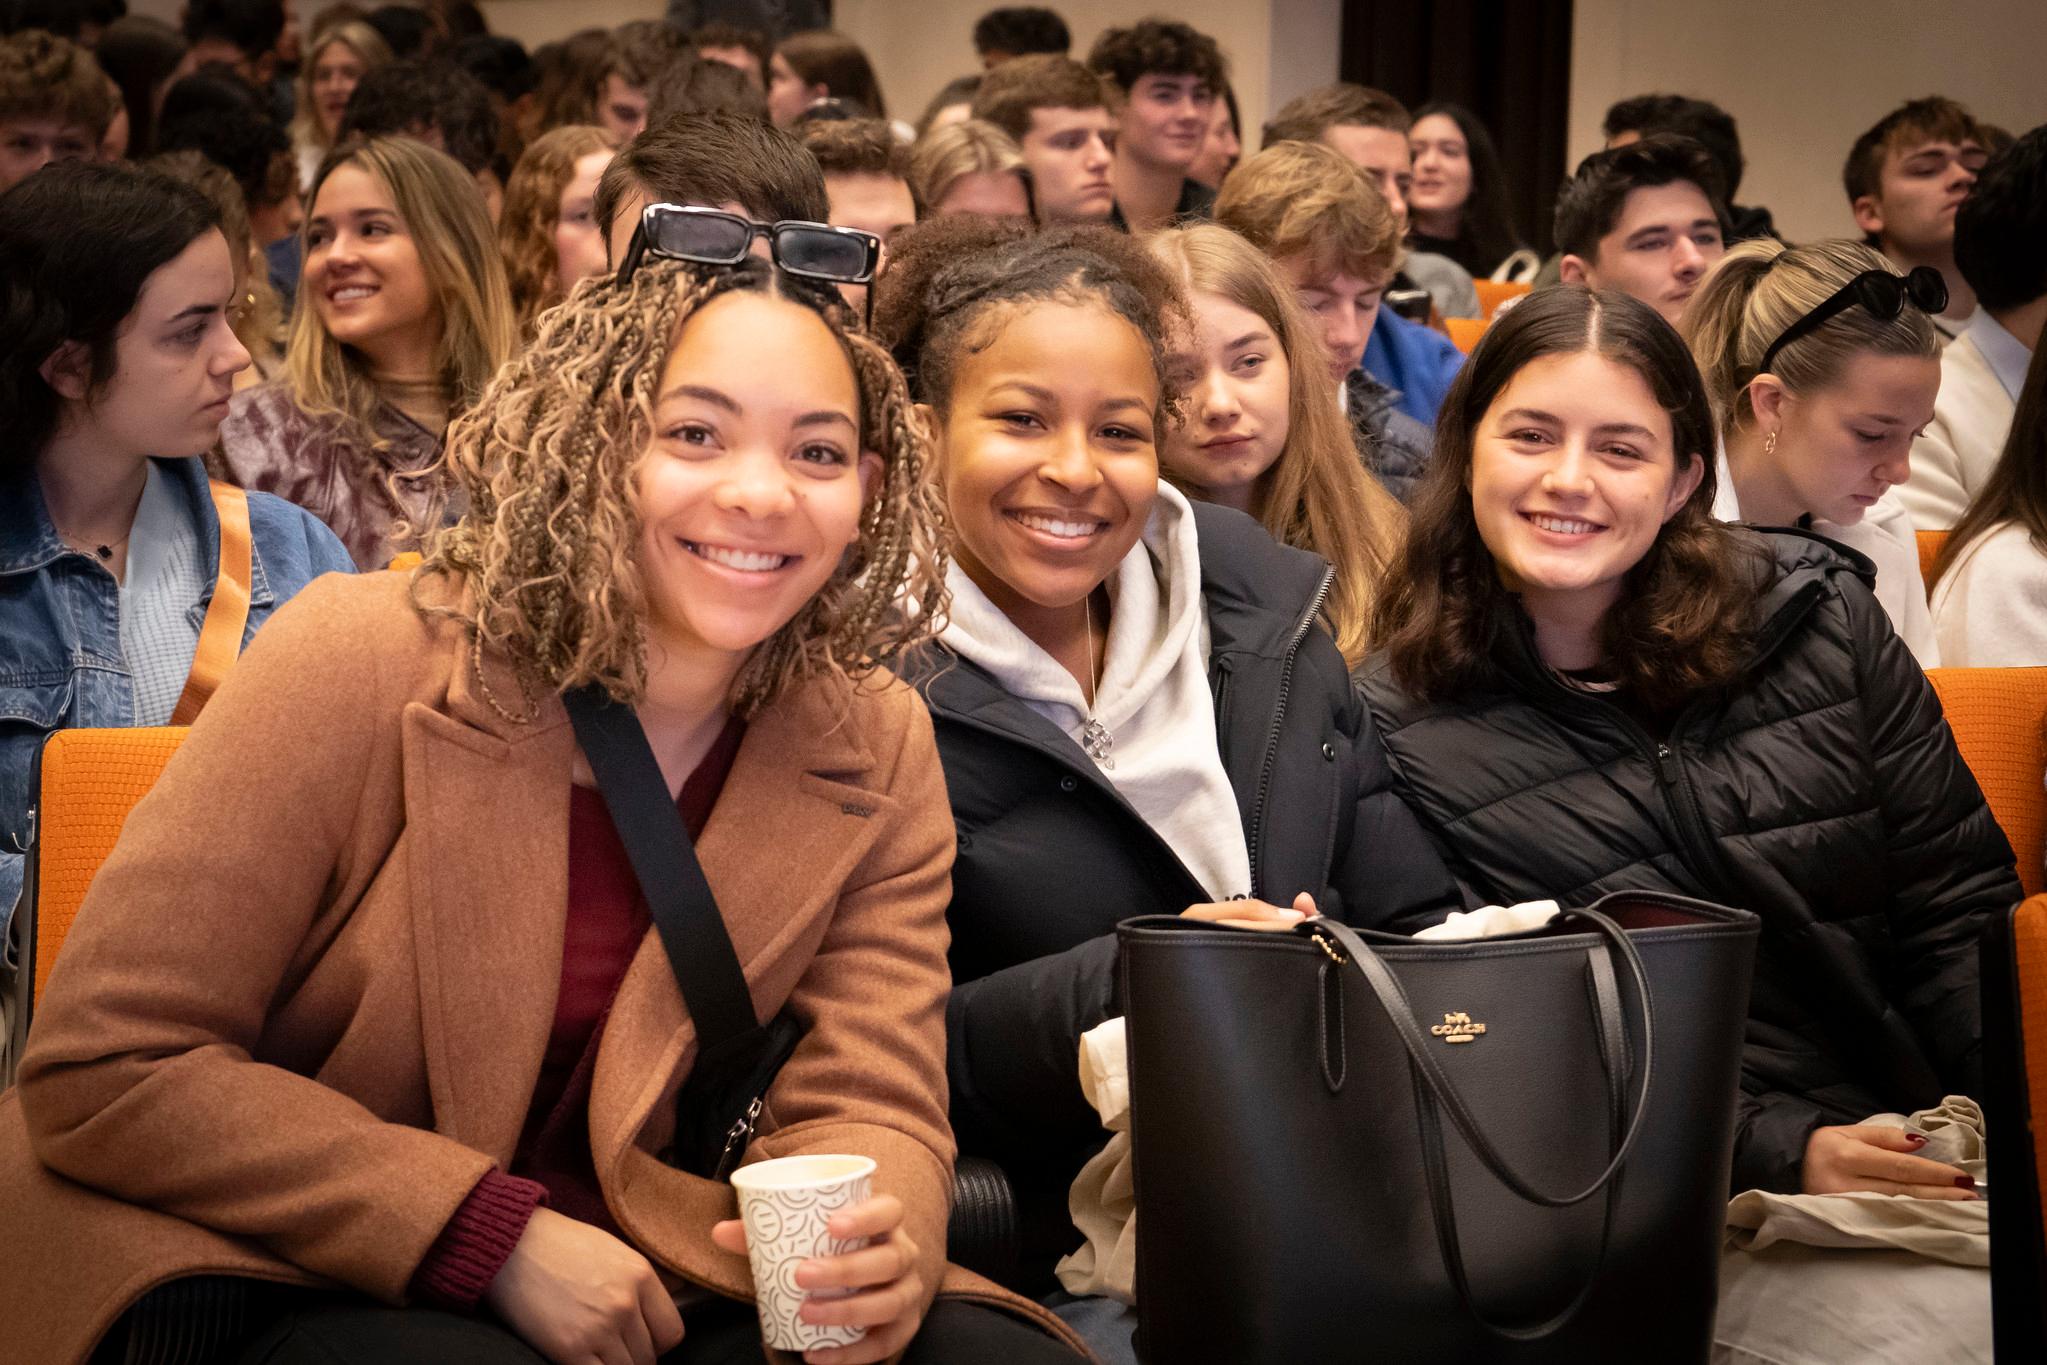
(197, 310)
(1529, 415)
(1623, 429)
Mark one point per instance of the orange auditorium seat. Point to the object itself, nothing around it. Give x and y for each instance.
(1465, 332)
(1493, 293)
(2015, 1107)
(1999, 716)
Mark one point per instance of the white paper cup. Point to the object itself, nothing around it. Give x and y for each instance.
(785, 1205)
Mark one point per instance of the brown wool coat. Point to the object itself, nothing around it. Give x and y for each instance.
(305, 1003)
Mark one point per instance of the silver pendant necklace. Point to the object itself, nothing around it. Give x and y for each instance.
(1095, 738)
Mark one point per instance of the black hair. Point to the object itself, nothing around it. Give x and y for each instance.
(213, 88)
(408, 98)
(244, 143)
(502, 64)
(1485, 223)
(254, 26)
(408, 30)
(1702, 121)
(2001, 226)
(1157, 47)
(78, 240)
(946, 274)
(60, 18)
(1022, 31)
(139, 53)
(1590, 202)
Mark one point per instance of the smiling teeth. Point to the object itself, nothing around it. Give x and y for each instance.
(1562, 527)
(746, 561)
(352, 293)
(1051, 526)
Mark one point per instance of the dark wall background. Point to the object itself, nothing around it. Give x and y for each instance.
(1508, 61)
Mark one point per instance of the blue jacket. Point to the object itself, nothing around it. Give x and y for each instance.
(1416, 362)
(60, 628)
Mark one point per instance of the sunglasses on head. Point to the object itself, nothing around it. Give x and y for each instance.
(811, 251)
(1880, 291)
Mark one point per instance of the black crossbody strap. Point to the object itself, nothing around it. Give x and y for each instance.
(685, 913)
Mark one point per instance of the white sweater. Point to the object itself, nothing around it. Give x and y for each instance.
(1953, 457)
(1153, 696)
(1990, 610)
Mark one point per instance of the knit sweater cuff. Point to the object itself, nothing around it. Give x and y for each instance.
(477, 1241)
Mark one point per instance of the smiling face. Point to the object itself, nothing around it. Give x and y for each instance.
(1237, 411)
(1166, 121)
(337, 70)
(1069, 152)
(1219, 150)
(751, 488)
(363, 269)
(175, 360)
(578, 242)
(1345, 307)
(1665, 240)
(1842, 447)
(1048, 453)
(1573, 474)
(1442, 170)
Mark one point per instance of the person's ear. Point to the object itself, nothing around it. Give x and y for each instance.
(1869, 215)
(1573, 270)
(1766, 398)
(818, 91)
(68, 370)
(870, 474)
(1684, 485)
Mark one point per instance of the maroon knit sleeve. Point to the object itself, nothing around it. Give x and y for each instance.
(477, 1241)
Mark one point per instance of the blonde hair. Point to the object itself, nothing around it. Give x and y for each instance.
(1761, 288)
(1317, 495)
(945, 156)
(532, 208)
(366, 42)
(1302, 197)
(549, 549)
(444, 213)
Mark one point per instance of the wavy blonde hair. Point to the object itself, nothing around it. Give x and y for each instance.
(549, 460)
(450, 228)
(945, 156)
(532, 208)
(354, 34)
(1317, 495)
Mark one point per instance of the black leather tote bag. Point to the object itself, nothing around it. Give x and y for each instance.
(1361, 1147)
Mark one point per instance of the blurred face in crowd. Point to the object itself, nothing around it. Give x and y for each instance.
(622, 109)
(114, 146)
(1665, 240)
(880, 204)
(1839, 448)
(1573, 474)
(578, 242)
(1219, 150)
(364, 274)
(1345, 306)
(175, 361)
(1442, 174)
(633, 203)
(740, 59)
(1166, 120)
(987, 194)
(751, 488)
(1236, 413)
(1069, 152)
(1048, 455)
(337, 70)
(788, 95)
(1919, 189)
(1382, 154)
(29, 144)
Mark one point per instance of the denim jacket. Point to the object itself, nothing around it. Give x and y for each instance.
(60, 628)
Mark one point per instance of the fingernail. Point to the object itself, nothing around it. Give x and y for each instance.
(1916, 1139)
(805, 1273)
(1965, 1182)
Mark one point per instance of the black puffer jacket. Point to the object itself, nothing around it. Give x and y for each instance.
(1824, 793)
(1051, 857)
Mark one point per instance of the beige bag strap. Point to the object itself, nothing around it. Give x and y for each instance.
(227, 615)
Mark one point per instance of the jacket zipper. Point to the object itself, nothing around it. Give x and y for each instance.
(1286, 684)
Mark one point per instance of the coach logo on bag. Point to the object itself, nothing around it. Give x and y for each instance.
(1457, 1028)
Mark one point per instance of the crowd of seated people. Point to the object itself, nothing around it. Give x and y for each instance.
(1071, 507)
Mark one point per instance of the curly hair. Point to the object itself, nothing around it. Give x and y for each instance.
(1158, 47)
(1683, 624)
(946, 275)
(548, 459)
(532, 206)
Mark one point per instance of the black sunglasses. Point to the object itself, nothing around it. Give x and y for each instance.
(813, 251)
(1880, 291)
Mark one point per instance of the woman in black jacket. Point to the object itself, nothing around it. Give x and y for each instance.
(1137, 706)
(1586, 684)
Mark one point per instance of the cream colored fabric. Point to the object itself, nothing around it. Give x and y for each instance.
(1489, 921)
(1103, 1200)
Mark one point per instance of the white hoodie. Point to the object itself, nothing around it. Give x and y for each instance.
(1153, 696)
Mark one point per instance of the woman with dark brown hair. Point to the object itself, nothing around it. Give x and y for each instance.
(1586, 684)
(820, 64)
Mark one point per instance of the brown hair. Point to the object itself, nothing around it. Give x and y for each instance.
(353, 34)
(854, 146)
(567, 75)
(1316, 496)
(717, 159)
(822, 56)
(549, 548)
(1012, 90)
(943, 158)
(257, 315)
(1683, 624)
(1933, 118)
(1304, 198)
(43, 77)
(2016, 490)
(532, 207)
(641, 52)
(690, 89)
(1158, 47)
(1305, 118)
(752, 40)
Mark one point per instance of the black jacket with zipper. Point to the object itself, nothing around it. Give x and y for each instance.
(1824, 792)
(1051, 857)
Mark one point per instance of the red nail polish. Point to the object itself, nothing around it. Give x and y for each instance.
(1916, 1139)
(1965, 1182)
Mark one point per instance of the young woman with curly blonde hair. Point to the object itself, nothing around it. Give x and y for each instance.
(412, 1039)
(547, 230)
